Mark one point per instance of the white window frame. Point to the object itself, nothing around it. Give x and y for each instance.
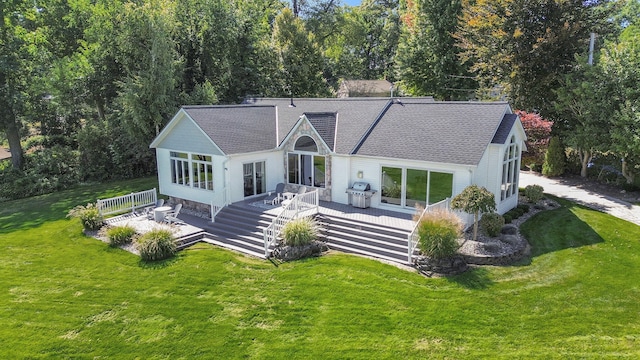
(510, 170)
(186, 167)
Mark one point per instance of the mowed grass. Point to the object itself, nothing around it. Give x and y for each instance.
(64, 295)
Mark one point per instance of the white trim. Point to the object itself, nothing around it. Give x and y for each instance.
(173, 123)
(294, 130)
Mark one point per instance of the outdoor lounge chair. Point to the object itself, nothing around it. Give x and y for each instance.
(172, 216)
(148, 211)
(301, 190)
(276, 195)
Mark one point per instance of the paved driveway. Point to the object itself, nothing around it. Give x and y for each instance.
(615, 207)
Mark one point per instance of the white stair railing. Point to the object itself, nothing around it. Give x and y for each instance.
(128, 202)
(218, 203)
(413, 237)
(306, 204)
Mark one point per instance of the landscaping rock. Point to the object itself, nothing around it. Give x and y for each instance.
(448, 266)
(510, 239)
(289, 253)
(509, 229)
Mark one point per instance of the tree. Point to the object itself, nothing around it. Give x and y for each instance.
(583, 109)
(538, 132)
(427, 59)
(525, 46)
(554, 159)
(620, 61)
(18, 38)
(474, 200)
(300, 58)
(149, 91)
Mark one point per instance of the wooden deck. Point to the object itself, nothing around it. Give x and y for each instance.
(375, 216)
(373, 232)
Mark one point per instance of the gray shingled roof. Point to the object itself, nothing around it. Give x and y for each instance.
(446, 132)
(237, 129)
(325, 125)
(504, 129)
(409, 128)
(354, 115)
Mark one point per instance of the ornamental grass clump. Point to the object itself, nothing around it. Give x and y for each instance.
(491, 224)
(438, 232)
(120, 235)
(300, 232)
(157, 244)
(89, 216)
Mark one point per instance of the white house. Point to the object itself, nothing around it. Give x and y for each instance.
(410, 150)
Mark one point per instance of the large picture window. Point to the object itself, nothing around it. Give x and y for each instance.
(407, 187)
(192, 170)
(510, 170)
(304, 165)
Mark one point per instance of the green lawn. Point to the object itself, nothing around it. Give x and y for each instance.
(64, 295)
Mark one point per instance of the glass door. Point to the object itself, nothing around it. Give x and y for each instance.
(254, 178)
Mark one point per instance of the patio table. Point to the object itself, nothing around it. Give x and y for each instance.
(159, 213)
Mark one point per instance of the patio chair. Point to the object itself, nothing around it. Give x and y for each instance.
(301, 190)
(276, 196)
(172, 216)
(148, 211)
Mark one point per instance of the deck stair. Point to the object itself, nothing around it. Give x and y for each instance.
(240, 228)
(357, 237)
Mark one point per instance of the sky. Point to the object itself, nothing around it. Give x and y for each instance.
(351, 2)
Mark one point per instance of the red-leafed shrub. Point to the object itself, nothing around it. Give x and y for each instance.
(538, 132)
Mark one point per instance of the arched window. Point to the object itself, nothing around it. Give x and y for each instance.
(305, 143)
(510, 167)
(304, 165)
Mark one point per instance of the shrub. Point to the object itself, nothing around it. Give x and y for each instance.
(524, 208)
(555, 159)
(89, 216)
(438, 231)
(491, 224)
(157, 244)
(300, 232)
(120, 235)
(534, 193)
(474, 200)
(507, 218)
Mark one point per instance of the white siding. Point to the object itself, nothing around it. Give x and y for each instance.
(341, 176)
(166, 187)
(274, 167)
(186, 136)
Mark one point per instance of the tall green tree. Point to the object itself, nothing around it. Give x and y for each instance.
(427, 59)
(149, 92)
(526, 46)
(19, 41)
(620, 61)
(300, 58)
(583, 109)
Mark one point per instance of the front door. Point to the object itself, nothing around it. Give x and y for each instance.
(254, 178)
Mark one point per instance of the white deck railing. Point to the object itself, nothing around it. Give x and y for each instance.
(130, 202)
(218, 203)
(413, 237)
(306, 204)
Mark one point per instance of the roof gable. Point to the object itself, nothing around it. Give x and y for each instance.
(325, 125)
(182, 133)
